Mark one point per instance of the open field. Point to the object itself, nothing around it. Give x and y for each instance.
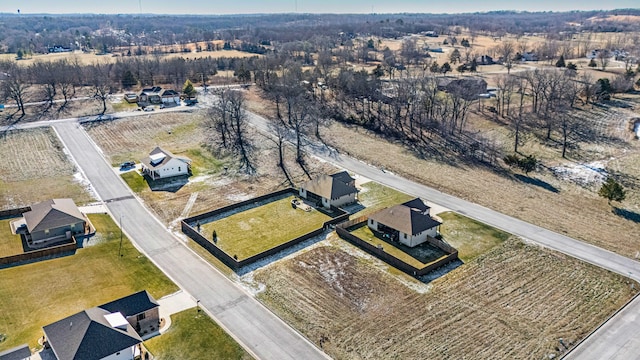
(193, 335)
(212, 186)
(471, 238)
(513, 302)
(10, 244)
(259, 229)
(34, 159)
(40, 293)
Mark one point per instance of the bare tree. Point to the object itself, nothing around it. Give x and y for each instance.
(506, 52)
(16, 85)
(604, 57)
(98, 76)
(280, 136)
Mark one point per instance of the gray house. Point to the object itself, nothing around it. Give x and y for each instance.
(53, 220)
(141, 310)
(330, 190)
(21, 352)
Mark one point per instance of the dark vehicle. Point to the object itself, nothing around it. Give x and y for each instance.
(127, 164)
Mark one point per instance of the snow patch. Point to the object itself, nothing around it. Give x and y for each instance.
(593, 173)
(85, 183)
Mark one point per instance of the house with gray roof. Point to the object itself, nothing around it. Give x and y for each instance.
(140, 309)
(330, 190)
(162, 163)
(409, 223)
(21, 352)
(53, 220)
(93, 334)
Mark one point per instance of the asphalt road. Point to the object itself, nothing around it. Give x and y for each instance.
(618, 339)
(254, 326)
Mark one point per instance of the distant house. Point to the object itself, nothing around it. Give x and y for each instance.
(162, 164)
(408, 223)
(468, 87)
(52, 220)
(140, 309)
(150, 95)
(330, 190)
(93, 334)
(529, 56)
(21, 352)
(170, 97)
(431, 33)
(131, 98)
(485, 60)
(59, 49)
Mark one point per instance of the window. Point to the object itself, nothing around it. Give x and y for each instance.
(141, 316)
(405, 236)
(46, 231)
(179, 169)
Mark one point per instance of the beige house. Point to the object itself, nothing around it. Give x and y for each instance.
(53, 220)
(162, 163)
(330, 190)
(408, 223)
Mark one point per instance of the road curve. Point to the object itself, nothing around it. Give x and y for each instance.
(261, 332)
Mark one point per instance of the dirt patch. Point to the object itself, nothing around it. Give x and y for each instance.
(488, 308)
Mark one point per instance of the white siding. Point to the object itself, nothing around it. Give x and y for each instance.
(418, 239)
(126, 354)
(303, 193)
(173, 168)
(373, 224)
(346, 199)
(326, 203)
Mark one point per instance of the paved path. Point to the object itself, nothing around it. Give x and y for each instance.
(255, 327)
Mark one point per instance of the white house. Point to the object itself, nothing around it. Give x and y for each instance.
(162, 164)
(330, 190)
(408, 223)
(170, 97)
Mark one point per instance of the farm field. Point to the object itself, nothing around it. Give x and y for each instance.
(193, 335)
(40, 293)
(349, 304)
(256, 230)
(211, 186)
(34, 159)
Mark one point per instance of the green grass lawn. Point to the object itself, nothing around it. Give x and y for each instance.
(124, 106)
(38, 294)
(10, 244)
(256, 230)
(135, 181)
(417, 257)
(374, 197)
(193, 335)
(472, 238)
(203, 162)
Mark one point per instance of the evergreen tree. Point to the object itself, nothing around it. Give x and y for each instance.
(612, 190)
(188, 89)
(560, 63)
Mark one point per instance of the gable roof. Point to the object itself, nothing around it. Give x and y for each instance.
(20, 352)
(132, 305)
(405, 219)
(328, 187)
(159, 157)
(52, 214)
(417, 203)
(343, 176)
(88, 335)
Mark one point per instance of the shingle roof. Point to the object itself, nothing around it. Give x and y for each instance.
(328, 187)
(17, 353)
(168, 155)
(417, 203)
(343, 176)
(87, 335)
(52, 214)
(404, 219)
(132, 305)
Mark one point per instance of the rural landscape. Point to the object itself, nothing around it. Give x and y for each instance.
(301, 185)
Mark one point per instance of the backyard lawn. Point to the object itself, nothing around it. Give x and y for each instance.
(10, 244)
(193, 335)
(258, 229)
(40, 293)
(374, 197)
(472, 238)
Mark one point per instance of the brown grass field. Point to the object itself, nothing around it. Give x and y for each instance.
(514, 302)
(184, 134)
(34, 160)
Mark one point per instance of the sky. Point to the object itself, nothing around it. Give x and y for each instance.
(213, 7)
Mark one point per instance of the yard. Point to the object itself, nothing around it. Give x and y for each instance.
(513, 302)
(10, 244)
(258, 229)
(417, 257)
(470, 237)
(34, 159)
(193, 335)
(40, 293)
(374, 197)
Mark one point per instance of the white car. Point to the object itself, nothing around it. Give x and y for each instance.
(149, 108)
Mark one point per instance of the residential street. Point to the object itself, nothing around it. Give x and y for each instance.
(257, 328)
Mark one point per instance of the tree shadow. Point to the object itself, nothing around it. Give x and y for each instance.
(537, 182)
(629, 215)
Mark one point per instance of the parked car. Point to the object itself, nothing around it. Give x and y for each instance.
(127, 164)
(149, 108)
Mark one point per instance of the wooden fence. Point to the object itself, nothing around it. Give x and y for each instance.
(40, 253)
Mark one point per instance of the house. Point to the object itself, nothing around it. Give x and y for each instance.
(485, 60)
(529, 56)
(140, 310)
(162, 164)
(93, 334)
(21, 352)
(330, 190)
(409, 223)
(467, 87)
(170, 97)
(55, 219)
(131, 98)
(150, 95)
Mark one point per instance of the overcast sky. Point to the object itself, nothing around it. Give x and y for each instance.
(206, 7)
